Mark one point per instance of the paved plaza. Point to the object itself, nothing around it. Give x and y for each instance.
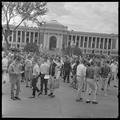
(62, 106)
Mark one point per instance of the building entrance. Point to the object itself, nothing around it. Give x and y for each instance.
(52, 42)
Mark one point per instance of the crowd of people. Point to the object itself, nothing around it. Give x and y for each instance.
(84, 72)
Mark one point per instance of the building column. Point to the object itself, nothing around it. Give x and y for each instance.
(67, 41)
(99, 43)
(20, 40)
(107, 44)
(29, 36)
(44, 41)
(87, 42)
(33, 37)
(25, 38)
(71, 39)
(38, 38)
(58, 40)
(83, 41)
(61, 40)
(47, 39)
(16, 38)
(91, 42)
(75, 39)
(103, 43)
(79, 41)
(95, 41)
(12, 37)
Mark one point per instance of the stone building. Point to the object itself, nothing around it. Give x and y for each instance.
(54, 35)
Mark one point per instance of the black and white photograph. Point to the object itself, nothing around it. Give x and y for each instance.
(60, 60)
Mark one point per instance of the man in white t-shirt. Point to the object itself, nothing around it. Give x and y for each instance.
(80, 73)
(44, 70)
(114, 70)
(28, 70)
(4, 68)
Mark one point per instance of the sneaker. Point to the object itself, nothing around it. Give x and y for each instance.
(102, 89)
(40, 93)
(17, 98)
(13, 98)
(32, 97)
(94, 102)
(88, 101)
(50, 94)
(79, 100)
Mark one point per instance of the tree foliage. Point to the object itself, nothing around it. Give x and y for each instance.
(31, 47)
(27, 11)
(72, 51)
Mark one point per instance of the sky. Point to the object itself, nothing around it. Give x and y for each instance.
(100, 17)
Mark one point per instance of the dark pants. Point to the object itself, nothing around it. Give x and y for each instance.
(66, 76)
(35, 88)
(44, 82)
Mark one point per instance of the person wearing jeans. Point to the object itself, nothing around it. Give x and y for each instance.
(36, 74)
(52, 77)
(80, 75)
(14, 76)
(44, 70)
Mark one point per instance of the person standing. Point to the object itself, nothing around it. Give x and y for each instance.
(52, 77)
(4, 68)
(91, 80)
(44, 70)
(14, 77)
(105, 74)
(114, 70)
(80, 76)
(36, 74)
(28, 70)
(67, 69)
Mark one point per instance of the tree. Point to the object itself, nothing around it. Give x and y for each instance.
(31, 47)
(77, 51)
(72, 51)
(27, 11)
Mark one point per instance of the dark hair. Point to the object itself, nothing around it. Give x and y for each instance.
(77, 62)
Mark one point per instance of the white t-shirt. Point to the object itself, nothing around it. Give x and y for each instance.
(36, 69)
(113, 67)
(81, 70)
(4, 63)
(44, 68)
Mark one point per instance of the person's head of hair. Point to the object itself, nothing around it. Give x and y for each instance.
(51, 59)
(92, 63)
(45, 59)
(17, 58)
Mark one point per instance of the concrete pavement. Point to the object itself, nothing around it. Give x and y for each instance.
(61, 106)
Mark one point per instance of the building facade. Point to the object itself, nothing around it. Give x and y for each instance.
(54, 35)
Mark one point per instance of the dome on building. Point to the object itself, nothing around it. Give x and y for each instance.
(54, 23)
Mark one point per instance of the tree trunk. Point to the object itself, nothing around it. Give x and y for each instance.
(7, 43)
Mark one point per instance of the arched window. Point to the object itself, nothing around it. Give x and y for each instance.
(53, 41)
